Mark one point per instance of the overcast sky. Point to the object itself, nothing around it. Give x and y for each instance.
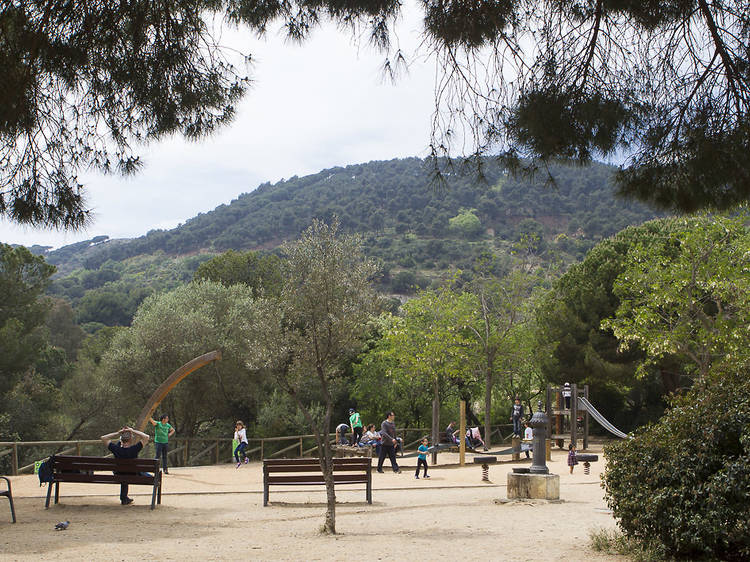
(312, 106)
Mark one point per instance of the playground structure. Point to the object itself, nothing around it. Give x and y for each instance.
(172, 381)
(564, 422)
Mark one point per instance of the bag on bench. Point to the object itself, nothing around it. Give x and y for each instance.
(45, 471)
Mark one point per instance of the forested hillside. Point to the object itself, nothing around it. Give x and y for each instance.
(417, 228)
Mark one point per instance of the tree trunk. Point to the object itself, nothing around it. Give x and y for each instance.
(326, 464)
(435, 418)
(329, 527)
(488, 405)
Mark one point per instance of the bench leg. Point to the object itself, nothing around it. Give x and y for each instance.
(153, 494)
(49, 493)
(158, 494)
(265, 495)
(12, 509)
(57, 492)
(369, 491)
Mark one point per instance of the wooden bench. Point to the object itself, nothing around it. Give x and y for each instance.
(307, 472)
(100, 470)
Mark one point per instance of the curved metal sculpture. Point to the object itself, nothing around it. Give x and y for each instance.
(172, 381)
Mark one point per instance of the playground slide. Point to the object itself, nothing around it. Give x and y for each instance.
(584, 404)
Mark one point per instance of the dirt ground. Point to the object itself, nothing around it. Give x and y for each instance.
(217, 513)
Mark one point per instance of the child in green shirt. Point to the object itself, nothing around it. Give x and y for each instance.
(162, 433)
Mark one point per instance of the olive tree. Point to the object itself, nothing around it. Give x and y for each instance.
(304, 337)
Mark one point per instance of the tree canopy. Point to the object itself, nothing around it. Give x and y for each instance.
(668, 82)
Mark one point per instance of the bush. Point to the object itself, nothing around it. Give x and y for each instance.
(684, 482)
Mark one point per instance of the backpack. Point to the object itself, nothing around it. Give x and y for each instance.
(45, 471)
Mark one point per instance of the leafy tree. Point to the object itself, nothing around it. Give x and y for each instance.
(431, 342)
(305, 337)
(23, 279)
(85, 81)
(257, 271)
(691, 302)
(569, 324)
(172, 328)
(500, 310)
(572, 80)
(466, 223)
(91, 396)
(63, 331)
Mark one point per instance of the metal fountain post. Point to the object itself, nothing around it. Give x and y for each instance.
(538, 424)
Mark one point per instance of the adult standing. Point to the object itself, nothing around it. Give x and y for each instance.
(355, 422)
(129, 444)
(388, 442)
(162, 432)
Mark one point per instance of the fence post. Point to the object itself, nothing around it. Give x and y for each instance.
(14, 460)
(217, 452)
(78, 448)
(261, 448)
(300, 446)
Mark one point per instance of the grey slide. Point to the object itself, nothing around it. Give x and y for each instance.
(584, 404)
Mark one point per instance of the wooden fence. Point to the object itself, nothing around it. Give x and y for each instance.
(184, 451)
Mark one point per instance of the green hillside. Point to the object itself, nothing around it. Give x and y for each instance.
(417, 228)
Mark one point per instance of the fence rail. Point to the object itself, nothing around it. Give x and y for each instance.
(24, 453)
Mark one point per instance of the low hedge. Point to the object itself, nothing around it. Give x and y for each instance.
(684, 482)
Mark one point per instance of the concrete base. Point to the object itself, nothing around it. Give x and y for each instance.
(534, 486)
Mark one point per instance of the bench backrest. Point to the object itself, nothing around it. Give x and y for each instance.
(67, 463)
(313, 465)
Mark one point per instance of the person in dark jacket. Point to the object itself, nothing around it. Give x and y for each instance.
(388, 442)
(130, 443)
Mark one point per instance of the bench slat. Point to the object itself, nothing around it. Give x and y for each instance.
(342, 479)
(336, 469)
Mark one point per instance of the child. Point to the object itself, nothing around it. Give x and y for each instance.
(161, 438)
(572, 461)
(241, 437)
(422, 458)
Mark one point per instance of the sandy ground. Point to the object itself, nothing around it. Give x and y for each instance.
(217, 513)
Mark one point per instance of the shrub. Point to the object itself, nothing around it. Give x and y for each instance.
(684, 482)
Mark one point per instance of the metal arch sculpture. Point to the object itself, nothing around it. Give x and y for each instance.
(172, 381)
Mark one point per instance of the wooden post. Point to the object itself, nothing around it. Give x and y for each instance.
(261, 448)
(574, 414)
(14, 460)
(462, 433)
(516, 444)
(217, 452)
(300, 446)
(586, 420)
(435, 428)
(549, 449)
(78, 448)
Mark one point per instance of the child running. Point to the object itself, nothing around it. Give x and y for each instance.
(241, 436)
(422, 458)
(572, 460)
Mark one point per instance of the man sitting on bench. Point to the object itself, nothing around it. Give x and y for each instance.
(130, 443)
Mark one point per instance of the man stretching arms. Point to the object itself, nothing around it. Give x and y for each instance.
(130, 443)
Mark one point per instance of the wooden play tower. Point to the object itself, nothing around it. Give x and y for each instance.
(563, 422)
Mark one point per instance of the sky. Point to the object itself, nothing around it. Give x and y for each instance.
(312, 106)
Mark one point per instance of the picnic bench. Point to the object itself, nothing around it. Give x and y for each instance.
(104, 470)
(307, 472)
